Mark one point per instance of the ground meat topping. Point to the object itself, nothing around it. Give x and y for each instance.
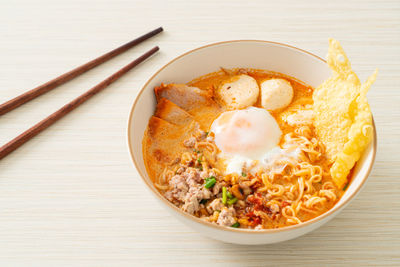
(215, 205)
(226, 217)
(274, 208)
(189, 142)
(179, 188)
(187, 188)
(217, 187)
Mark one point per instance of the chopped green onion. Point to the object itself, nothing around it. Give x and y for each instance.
(210, 182)
(224, 195)
(206, 133)
(235, 225)
(244, 174)
(209, 178)
(230, 196)
(345, 187)
(232, 201)
(196, 151)
(199, 160)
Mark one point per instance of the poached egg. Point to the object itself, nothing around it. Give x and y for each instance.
(248, 138)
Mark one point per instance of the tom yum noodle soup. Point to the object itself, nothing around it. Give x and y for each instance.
(250, 148)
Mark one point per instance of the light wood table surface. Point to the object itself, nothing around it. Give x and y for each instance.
(71, 196)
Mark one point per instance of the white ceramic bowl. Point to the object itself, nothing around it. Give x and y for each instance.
(232, 54)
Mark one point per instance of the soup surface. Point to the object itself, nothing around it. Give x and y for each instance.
(237, 148)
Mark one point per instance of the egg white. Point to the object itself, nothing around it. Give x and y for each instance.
(249, 140)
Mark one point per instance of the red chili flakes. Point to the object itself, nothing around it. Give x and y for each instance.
(253, 219)
(256, 200)
(255, 186)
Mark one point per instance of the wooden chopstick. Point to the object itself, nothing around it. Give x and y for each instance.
(42, 125)
(44, 88)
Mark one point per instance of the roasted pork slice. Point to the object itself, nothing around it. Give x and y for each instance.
(172, 113)
(184, 96)
(163, 144)
(198, 103)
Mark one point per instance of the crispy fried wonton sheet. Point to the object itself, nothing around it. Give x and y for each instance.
(343, 119)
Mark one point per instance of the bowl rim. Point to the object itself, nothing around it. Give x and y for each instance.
(326, 214)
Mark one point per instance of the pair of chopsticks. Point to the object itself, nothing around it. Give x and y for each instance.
(44, 88)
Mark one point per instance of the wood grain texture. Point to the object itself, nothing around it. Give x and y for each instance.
(67, 108)
(71, 197)
(63, 78)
